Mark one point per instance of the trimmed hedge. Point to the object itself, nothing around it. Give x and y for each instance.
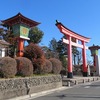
(24, 66)
(56, 65)
(33, 51)
(39, 66)
(47, 66)
(36, 55)
(8, 67)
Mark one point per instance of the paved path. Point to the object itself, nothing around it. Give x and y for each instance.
(89, 91)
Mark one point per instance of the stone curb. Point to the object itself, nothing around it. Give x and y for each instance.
(78, 80)
(35, 95)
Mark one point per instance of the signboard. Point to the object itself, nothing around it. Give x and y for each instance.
(24, 31)
(21, 31)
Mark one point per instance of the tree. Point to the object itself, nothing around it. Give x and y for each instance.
(47, 52)
(79, 58)
(1, 33)
(75, 53)
(10, 38)
(62, 50)
(1, 30)
(62, 47)
(35, 35)
(53, 47)
(33, 51)
(57, 49)
(90, 59)
(36, 55)
(7, 34)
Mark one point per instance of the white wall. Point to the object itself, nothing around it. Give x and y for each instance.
(2, 52)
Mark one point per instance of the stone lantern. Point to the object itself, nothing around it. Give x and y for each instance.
(20, 26)
(94, 50)
(96, 59)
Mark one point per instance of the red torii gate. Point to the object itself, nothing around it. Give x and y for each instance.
(70, 34)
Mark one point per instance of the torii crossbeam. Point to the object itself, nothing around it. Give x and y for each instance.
(69, 35)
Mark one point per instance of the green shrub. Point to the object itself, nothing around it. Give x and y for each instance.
(24, 66)
(8, 67)
(64, 61)
(56, 65)
(47, 66)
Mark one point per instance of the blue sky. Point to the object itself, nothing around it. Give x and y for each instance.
(81, 16)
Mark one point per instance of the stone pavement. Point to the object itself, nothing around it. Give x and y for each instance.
(66, 84)
(78, 80)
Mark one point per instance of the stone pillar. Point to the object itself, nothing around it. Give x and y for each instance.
(85, 73)
(97, 62)
(70, 72)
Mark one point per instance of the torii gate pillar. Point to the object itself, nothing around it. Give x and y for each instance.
(85, 72)
(70, 73)
(69, 35)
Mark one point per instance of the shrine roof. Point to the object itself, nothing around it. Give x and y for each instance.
(19, 18)
(4, 44)
(67, 31)
(96, 47)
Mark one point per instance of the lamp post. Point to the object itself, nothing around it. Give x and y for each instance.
(94, 52)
